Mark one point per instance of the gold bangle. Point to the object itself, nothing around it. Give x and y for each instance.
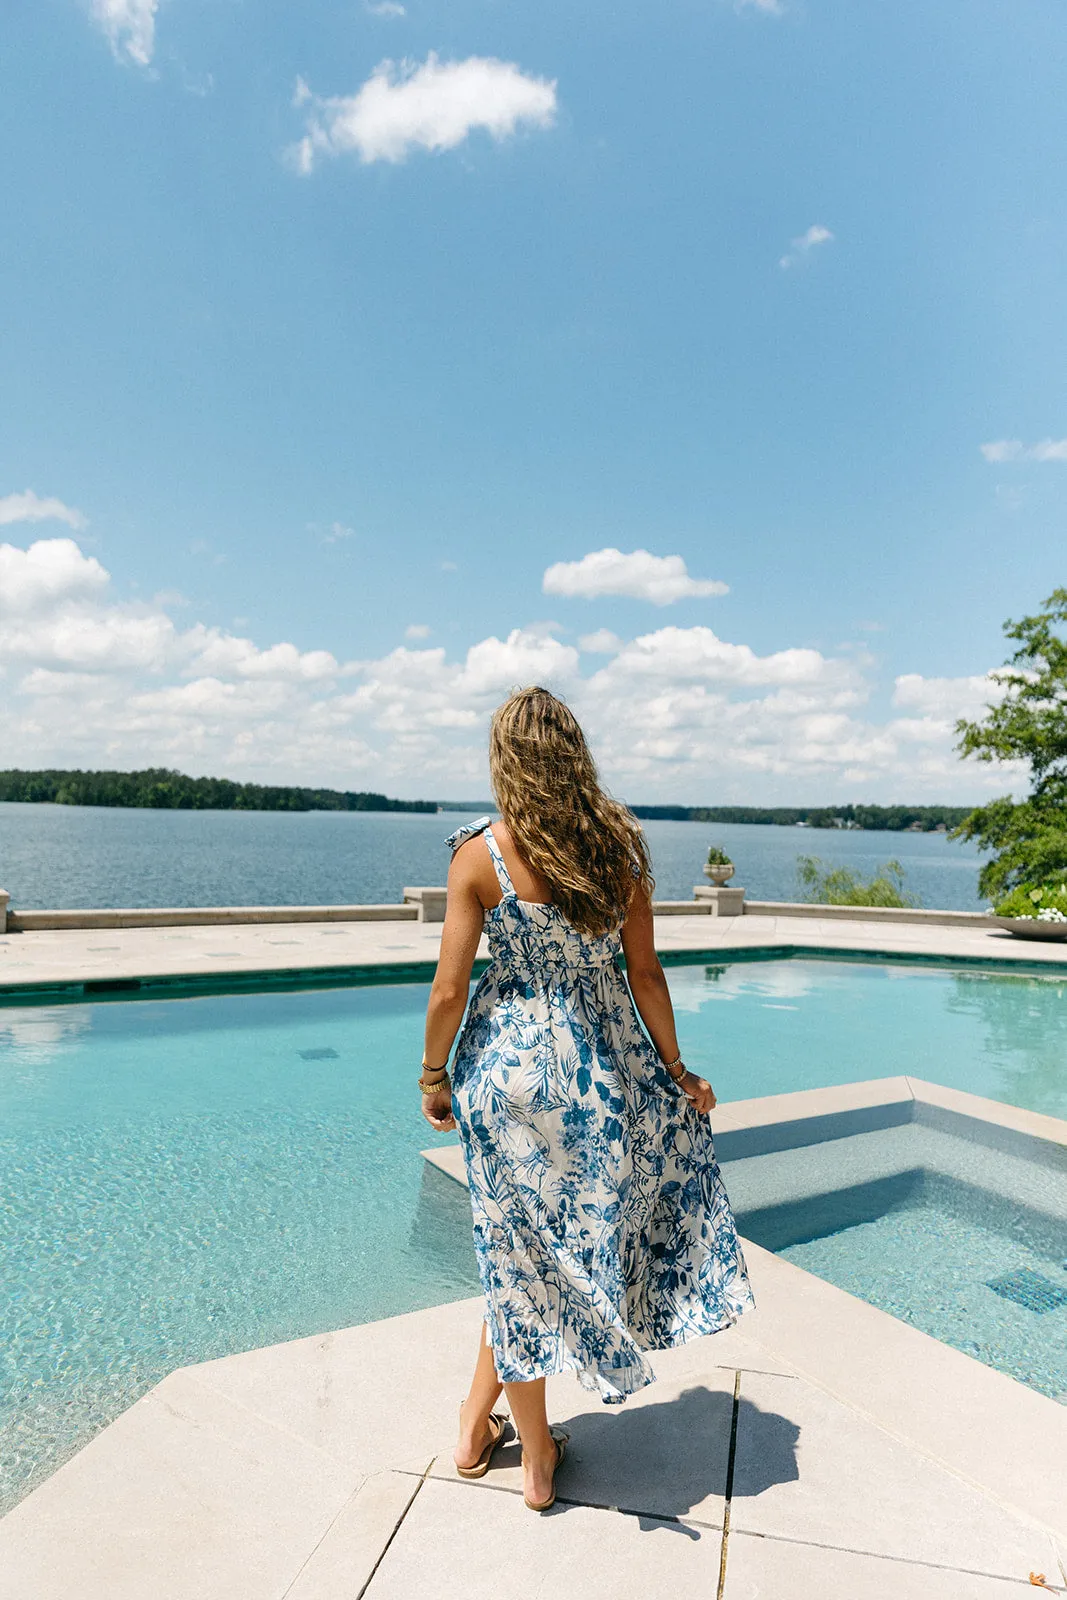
(436, 1088)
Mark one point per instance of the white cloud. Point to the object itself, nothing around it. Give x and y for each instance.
(386, 8)
(601, 643)
(772, 8)
(676, 713)
(433, 106)
(946, 698)
(1007, 450)
(130, 25)
(30, 507)
(417, 630)
(50, 572)
(639, 575)
(804, 244)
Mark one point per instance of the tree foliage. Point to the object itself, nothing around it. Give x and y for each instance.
(840, 886)
(1029, 725)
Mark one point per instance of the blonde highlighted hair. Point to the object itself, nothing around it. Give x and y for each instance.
(588, 847)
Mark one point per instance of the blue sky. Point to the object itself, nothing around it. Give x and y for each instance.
(746, 285)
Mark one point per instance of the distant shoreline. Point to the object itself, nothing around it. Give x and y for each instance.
(158, 788)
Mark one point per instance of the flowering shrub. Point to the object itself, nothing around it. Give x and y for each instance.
(1046, 903)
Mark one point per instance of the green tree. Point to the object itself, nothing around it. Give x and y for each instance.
(1029, 724)
(840, 886)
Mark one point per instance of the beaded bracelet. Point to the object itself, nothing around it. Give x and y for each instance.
(669, 1066)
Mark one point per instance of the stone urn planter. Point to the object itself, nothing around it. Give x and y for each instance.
(719, 872)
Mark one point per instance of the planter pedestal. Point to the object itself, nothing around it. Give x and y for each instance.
(720, 900)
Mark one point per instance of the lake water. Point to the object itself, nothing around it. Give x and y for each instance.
(82, 856)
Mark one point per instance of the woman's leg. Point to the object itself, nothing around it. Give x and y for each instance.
(474, 1413)
(539, 1455)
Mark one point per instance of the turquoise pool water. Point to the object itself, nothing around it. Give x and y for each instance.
(185, 1178)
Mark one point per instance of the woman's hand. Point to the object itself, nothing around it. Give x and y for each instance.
(698, 1092)
(437, 1109)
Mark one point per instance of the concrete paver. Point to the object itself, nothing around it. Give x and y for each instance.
(455, 1544)
(183, 1496)
(853, 1485)
(344, 1560)
(782, 1569)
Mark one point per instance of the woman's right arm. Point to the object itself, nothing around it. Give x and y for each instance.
(648, 985)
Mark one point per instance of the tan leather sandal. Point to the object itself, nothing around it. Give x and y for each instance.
(498, 1421)
(560, 1440)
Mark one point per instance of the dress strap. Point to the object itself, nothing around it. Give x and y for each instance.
(468, 831)
(502, 874)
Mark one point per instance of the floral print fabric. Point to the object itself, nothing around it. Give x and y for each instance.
(601, 1225)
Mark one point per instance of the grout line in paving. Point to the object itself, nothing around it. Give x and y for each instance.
(728, 1496)
(880, 1555)
(587, 1505)
(323, 1536)
(396, 1529)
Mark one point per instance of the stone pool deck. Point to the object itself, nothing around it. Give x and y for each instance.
(69, 957)
(819, 1450)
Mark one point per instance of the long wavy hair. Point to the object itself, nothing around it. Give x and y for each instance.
(581, 841)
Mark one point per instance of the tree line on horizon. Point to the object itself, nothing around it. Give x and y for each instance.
(892, 819)
(163, 789)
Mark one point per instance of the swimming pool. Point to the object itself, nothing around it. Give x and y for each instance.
(950, 1222)
(187, 1178)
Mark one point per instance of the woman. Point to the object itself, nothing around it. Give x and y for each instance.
(601, 1226)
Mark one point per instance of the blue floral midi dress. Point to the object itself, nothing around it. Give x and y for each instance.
(601, 1226)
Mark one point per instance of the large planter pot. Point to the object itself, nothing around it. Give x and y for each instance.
(720, 874)
(1031, 928)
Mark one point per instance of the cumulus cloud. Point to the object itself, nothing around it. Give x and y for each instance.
(30, 507)
(406, 106)
(51, 572)
(601, 643)
(1008, 450)
(804, 244)
(946, 698)
(676, 713)
(130, 25)
(639, 576)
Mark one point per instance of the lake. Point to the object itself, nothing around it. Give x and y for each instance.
(82, 856)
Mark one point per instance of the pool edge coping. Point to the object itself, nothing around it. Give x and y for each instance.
(187, 985)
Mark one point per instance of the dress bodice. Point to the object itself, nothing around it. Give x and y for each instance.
(529, 936)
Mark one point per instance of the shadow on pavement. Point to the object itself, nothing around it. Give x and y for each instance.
(667, 1459)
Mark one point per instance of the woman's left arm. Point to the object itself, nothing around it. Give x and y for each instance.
(464, 916)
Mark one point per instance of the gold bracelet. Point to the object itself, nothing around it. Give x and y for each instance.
(439, 1087)
(677, 1062)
